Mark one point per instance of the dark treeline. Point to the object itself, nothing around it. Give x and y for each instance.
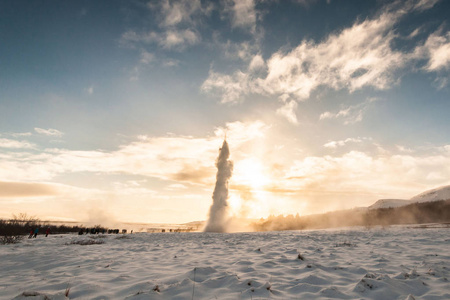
(416, 213)
(22, 224)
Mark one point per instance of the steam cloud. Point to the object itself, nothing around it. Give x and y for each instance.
(218, 216)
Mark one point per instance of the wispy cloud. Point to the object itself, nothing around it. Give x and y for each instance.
(351, 114)
(177, 12)
(421, 5)
(131, 187)
(171, 39)
(404, 149)
(437, 49)
(357, 172)
(26, 189)
(232, 87)
(288, 111)
(146, 57)
(341, 143)
(13, 144)
(18, 134)
(176, 186)
(243, 13)
(358, 57)
(244, 51)
(177, 22)
(176, 158)
(179, 38)
(49, 132)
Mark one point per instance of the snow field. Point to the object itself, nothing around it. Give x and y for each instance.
(394, 263)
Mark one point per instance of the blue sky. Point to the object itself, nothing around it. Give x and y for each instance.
(122, 105)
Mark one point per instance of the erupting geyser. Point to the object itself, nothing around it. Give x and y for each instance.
(218, 216)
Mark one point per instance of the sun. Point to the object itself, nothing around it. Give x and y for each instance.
(250, 172)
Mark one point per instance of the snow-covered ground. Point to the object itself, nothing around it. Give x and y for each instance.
(393, 263)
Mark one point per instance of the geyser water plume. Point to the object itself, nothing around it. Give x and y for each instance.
(218, 213)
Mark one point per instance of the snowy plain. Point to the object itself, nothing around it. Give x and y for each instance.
(398, 262)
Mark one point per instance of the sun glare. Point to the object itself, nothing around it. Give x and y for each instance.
(250, 172)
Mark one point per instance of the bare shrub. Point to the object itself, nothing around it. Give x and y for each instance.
(9, 233)
(14, 239)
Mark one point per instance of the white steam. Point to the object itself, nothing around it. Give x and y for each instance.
(218, 213)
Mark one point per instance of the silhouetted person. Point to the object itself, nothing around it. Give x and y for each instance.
(36, 232)
(47, 232)
(31, 234)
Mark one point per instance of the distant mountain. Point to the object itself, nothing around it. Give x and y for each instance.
(440, 193)
(413, 213)
(387, 203)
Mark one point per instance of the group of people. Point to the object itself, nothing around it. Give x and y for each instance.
(34, 233)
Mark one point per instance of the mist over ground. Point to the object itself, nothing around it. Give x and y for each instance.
(416, 213)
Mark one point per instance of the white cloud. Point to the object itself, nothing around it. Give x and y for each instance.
(414, 33)
(245, 51)
(421, 5)
(257, 63)
(351, 114)
(288, 111)
(233, 88)
(17, 134)
(240, 132)
(437, 48)
(441, 82)
(173, 39)
(146, 57)
(130, 37)
(170, 63)
(131, 187)
(178, 21)
(178, 38)
(435, 51)
(13, 144)
(49, 132)
(341, 143)
(176, 158)
(176, 12)
(243, 13)
(357, 57)
(176, 186)
(404, 149)
(396, 175)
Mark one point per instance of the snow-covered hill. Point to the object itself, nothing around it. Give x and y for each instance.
(440, 193)
(386, 203)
